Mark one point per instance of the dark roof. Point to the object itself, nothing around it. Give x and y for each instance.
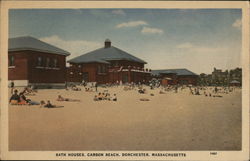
(33, 44)
(174, 71)
(103, 55)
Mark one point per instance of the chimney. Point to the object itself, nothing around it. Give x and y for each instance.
(107, 43)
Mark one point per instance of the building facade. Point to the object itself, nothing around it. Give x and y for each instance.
(33, 62)
(175, 76)
(107, 65)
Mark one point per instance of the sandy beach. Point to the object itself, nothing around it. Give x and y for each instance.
(171, 121)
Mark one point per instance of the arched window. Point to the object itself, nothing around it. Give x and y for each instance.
(12, 61)
(39, 61)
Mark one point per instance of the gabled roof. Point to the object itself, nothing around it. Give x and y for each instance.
(173, 71)
(103, 55)
(33, 44)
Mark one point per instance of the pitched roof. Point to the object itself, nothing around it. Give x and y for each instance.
(174, 71)
(31, 43)
(103, 55)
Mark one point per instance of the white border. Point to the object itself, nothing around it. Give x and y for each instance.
(191, 155)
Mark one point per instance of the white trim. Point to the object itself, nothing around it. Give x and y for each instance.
(12, 66)
(38, 67)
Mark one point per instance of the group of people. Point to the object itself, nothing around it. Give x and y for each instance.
(105, 96)
(21, 99)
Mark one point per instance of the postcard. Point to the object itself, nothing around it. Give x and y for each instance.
(128, 80)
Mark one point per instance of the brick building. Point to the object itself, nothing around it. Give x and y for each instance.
(107, 65)
(175, 76)
(33, 62)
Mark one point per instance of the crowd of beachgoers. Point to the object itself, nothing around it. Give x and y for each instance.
(102, 92)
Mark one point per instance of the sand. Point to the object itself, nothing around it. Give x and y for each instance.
(171, 121)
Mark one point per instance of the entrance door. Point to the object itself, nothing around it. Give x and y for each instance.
(125, 78)
(85, 76)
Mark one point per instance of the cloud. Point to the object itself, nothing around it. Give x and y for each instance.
(187, 46)
(149, 30)
(131, 24)
(75, 47)
(119, 12)
(237, 24)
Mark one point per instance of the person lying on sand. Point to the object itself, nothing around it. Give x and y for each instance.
(60, 98)
(29, 91)
(217, 95)
(14, 99)
(161, 92)
(49, 105)
(144, 99)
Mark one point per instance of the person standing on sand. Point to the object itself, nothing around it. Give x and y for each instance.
(215, 89)
(176, 89)
(12, 85)
(96, 86)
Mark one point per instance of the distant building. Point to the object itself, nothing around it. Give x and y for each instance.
(222, 78)
(107, 65)
(175, 76)
(33, 62)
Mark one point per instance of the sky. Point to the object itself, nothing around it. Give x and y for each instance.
(196, 39)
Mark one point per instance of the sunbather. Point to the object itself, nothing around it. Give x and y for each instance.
(14, 99)
(60, 98)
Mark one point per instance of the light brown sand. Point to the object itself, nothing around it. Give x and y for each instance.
(167, 122)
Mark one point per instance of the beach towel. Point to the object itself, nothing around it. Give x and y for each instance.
(13, 102)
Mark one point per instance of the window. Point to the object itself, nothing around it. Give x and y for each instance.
(11, 61)
(102, 70)
(99, 69)
(47, 62)
(39, 61)
(55, 63)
